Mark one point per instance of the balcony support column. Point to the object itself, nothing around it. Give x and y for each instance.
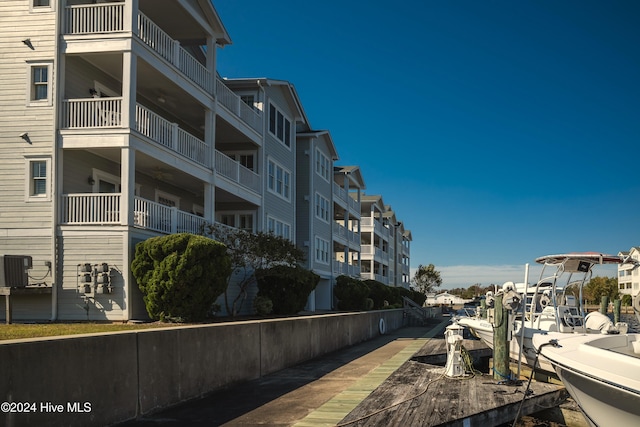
(131, 16)
(209, 202)
(209, 136)
(127, 184)
(129, 87)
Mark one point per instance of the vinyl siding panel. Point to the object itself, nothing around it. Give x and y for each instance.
(93, 246)
(16, 215)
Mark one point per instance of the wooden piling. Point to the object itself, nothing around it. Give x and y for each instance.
(616, 310)
(501, 369)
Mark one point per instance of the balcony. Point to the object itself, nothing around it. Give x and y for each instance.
(345, 234)
(105, 113)
(342, 195)
(104, 209)
(109, 18)
(369, 223)
(342, 268)
(233, 103)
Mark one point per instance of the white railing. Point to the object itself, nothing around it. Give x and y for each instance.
(94, 18)
(234, 171)
(171, 136)
(235, 105)
(91, 208)
(92, 113)
(339, 192)
(170, 49)
(165, 219)
(340, 267)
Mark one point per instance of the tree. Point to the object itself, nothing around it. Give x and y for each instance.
(599, 287)
(250, 252)
(180, 275)
(426, 279)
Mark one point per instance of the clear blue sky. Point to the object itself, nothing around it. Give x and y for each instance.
(499, 131)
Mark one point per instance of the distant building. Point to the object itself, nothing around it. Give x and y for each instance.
(628, 276)
(445, 298)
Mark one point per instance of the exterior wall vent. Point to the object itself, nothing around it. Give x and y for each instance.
(14, 270)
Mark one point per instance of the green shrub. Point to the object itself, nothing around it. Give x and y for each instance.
(351, 293)
(180, 275)
(287, 287)
(379, 293)
(262, 305)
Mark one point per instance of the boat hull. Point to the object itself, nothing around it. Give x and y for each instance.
(601, 373)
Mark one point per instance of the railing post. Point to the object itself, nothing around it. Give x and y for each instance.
(174, 219)
(174, 137)
(176, 53)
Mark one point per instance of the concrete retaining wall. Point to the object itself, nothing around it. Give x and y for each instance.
(98, 380)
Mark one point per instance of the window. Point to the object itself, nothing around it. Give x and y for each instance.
(41, 5)
(243, 221)
(322, 208)
(245, 160)
(279, 125)
(250, 100)
(278, 228)
(322, 251)
(37, 179)
(39, 84)
(167, 199)
(323, 165)
(279, 180)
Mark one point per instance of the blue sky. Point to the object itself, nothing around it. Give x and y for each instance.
(499, 131)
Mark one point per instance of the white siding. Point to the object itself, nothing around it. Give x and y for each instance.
(93, 245)
(25, 227)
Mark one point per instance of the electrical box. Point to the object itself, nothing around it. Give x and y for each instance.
(14, 270)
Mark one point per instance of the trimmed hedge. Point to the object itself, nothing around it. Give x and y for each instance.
(287, 287)
(180, 275)
(352, 294)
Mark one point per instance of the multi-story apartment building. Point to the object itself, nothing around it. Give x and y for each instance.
(628, 275)
(385, 243)
(348, 185)
(117, 128)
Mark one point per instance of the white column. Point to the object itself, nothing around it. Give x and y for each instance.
(129, 87)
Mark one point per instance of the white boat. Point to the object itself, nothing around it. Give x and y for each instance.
(548, 306)
(600, 372)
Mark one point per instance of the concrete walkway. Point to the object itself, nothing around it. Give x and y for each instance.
(319, 392)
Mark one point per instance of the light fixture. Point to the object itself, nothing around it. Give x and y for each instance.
(91, 181)
(25, 136)
(28, 43)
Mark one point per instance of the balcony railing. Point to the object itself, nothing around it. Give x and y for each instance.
(94, 18)
(233, 170)
(92, 113)
(91, 208)
(343, 195)
(171, 136)
(346, 269)
(154, 37)
(101, 208)
(238, 107)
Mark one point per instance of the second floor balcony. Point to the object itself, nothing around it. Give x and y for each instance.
(106, 113)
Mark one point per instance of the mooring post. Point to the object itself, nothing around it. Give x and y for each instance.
(604, 302)
(616, 310)
(501, 369)
(483, 308)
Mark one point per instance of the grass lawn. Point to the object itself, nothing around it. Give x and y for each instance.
(16, 330)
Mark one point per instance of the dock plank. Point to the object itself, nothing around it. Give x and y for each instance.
(418, 394)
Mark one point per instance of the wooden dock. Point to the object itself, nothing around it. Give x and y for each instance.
(419, 394)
